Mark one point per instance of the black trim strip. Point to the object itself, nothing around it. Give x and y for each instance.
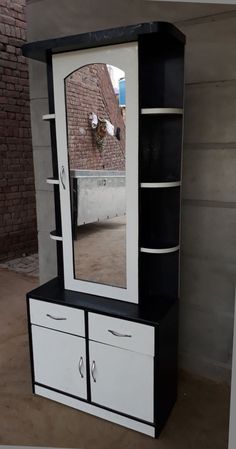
(148, 314)
(95, 404)
(58, 330)
(87, 357)
(52, 124)
(40, 49)
(60, 392)
(30, 344)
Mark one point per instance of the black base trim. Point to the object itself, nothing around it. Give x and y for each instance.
(95, 404)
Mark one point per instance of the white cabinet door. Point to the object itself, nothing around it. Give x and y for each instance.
(60, 361)
(122, 380)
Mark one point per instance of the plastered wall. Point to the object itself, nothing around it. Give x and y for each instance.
(208, 262)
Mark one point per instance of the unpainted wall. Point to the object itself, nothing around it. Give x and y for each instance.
(208, 256)
(17, 193)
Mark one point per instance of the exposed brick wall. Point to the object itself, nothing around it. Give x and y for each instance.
(89, 89)
(17, 196)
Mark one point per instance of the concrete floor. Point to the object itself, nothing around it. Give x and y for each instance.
(199, 419)
(100, 252)
(25, 264)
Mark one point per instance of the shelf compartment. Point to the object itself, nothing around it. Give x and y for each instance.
(160, 148)
(54, 235)
(159, 218)
(159, 185)
(48, 117)
(159, 275)
(161, 74)
(161, 111)
(52, 181)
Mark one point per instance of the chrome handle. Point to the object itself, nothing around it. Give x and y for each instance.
(117, 334)
(62, 175)
(92, 370)
(56, 317)
(81, 362)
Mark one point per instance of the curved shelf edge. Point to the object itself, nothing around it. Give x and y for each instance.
(162, 111)
(48, 117)
(159, 185)
(160, 250)
(52, 181)
(54, 236)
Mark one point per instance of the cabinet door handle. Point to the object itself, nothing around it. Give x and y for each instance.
(62, 175)
(56, 317)
(117, 334)
(81, 362)
(92, 371)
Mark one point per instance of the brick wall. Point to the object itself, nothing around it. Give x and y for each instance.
(17, 196)
(89, 89)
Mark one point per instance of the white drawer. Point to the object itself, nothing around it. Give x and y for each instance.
(122, 333)
(55, 316)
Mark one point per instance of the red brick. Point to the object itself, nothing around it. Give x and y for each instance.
(17, 197)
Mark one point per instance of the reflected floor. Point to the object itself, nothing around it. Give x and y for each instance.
(100, 252)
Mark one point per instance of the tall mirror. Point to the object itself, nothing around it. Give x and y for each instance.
(96, 141)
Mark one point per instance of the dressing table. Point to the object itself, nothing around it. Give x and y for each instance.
(104, 333)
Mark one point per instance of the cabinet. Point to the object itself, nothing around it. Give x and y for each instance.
(108, 345)
(60, 361)
(122, 380)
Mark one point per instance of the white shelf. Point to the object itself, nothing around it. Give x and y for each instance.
(160, 250)
(159, 185)
(162, 111)
(48, 117)
(52, 181)
(55, 236)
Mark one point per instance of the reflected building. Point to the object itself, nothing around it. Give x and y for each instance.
(96, 145)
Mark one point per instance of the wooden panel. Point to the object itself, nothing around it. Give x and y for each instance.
(122, 380)
(55, 316)
(60, 361)
(122, 333)
(96, 411)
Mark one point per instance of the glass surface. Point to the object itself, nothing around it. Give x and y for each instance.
(96, 146)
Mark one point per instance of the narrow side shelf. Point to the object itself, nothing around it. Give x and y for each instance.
(48, 117)
(162, 111)
(160, 148)
(159, 185)
(52, 181)
(54, 236)
(159, 221)
(159, 274)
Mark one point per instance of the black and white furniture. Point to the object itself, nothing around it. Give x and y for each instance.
(112, 351)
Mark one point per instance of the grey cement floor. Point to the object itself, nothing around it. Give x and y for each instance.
(199, 419)
(25, 264)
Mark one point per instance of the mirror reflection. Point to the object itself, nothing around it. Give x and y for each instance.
(95, 101)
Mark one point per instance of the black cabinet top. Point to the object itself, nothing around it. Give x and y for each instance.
(40, 50)
(53, 291)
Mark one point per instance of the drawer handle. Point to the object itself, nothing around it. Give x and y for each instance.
(92, 371)
(81, 362)
(117, 334)
(62, 176)
(55, 317)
